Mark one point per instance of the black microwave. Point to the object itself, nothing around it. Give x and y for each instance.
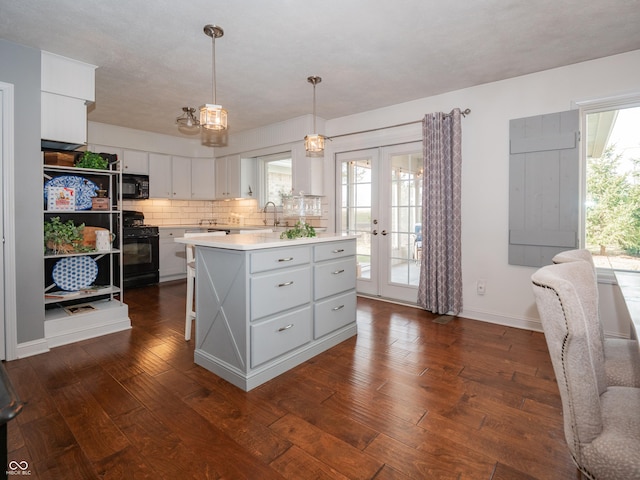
(135, 186)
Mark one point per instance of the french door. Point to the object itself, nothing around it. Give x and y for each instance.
(380, 200)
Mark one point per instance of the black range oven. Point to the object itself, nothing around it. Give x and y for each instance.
(140, 251)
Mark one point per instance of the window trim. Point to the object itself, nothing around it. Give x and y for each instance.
(586, 107)
(261, 162)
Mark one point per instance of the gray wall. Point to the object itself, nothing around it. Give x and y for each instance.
(20, 66)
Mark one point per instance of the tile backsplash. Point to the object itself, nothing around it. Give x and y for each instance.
(163, 212)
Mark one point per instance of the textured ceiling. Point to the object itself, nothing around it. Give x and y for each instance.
(154, 58)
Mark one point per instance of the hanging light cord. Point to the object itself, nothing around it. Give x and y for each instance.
(315, 132)
(213, 66)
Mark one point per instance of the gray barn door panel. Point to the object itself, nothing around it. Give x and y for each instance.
(544, 196)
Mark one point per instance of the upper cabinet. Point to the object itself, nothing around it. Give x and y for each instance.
(181, 178)
(159, 175)
(67, 86)
(235, 177)
(202, 179)
(135, 161)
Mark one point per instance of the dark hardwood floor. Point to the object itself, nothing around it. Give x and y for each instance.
(406, 398)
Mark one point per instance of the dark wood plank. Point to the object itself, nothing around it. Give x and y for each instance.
(407, 398)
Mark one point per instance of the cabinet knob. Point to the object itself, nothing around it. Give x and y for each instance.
(282, 329)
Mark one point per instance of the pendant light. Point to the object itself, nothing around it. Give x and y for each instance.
(314, 143)
(212, 115)
(187, 122)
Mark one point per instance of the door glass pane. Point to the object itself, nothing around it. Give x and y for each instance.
(356, 210)
(405, 242)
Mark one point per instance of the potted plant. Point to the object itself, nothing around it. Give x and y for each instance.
(63, 237)
(92, 160)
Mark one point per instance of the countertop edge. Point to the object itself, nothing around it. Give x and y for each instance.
(257, 241)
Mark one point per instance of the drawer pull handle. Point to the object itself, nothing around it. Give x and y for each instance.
(286, 284)
(282, 329)
(288, 259)
(340, 307)
(338, 271)
(340, 250)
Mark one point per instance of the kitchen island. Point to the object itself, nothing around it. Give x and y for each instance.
(265, 305)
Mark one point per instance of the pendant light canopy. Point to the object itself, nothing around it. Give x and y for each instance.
(212, 115)
(314, 143)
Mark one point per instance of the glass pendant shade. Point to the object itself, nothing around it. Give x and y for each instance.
(314, 145)
(213, 117)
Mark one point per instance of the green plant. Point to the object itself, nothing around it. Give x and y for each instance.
(92, 160)
(63, 237)
(299, 230)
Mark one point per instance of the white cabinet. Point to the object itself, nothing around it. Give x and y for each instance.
(169, 177)
(181, 178)
(159, 175)
(202, 179)
(281, 306)
(235, 177)
(135, 161)
(66, 86)
(173, 263)
(63, 119)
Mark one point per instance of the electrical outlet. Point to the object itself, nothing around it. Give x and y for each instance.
(481, 287)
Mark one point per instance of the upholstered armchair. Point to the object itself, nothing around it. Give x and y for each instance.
(601, 421)
(621, 355)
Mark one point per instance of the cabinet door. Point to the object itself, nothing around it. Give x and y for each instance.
(221, 178)
(202, 179)
(159, 176)
(181, 178)
(233, 178)
(172, 255)
(63, 119)
(135, 161)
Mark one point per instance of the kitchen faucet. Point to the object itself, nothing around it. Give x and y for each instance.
(275, 214)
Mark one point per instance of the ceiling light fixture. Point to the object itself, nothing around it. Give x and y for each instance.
(314, 143)
(212, 115)
(188, 119)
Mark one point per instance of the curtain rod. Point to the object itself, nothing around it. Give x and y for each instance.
(464, 113)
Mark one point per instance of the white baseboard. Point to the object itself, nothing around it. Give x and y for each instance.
(34, 347)
(522, 323)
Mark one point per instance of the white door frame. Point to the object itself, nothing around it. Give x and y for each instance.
(9, 344)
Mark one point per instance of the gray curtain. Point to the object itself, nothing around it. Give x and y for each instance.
(440, 287)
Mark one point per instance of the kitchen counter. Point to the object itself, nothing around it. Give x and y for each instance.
(265, 305)
(257, 241)
(218, 226)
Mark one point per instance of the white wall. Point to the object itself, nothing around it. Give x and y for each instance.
(509, 298)
(112, 135)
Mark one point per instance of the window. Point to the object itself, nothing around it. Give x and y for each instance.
(276, 175)
(612, 193)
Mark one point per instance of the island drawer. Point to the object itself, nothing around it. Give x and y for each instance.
(328, 251)
(280, 335)
(334, 313)
(334, 277)
(279, 258)
(280, 291)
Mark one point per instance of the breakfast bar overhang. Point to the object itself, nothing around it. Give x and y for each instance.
(265, 304)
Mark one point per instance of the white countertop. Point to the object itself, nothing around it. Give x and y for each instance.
(219, 226)
(257, 241)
